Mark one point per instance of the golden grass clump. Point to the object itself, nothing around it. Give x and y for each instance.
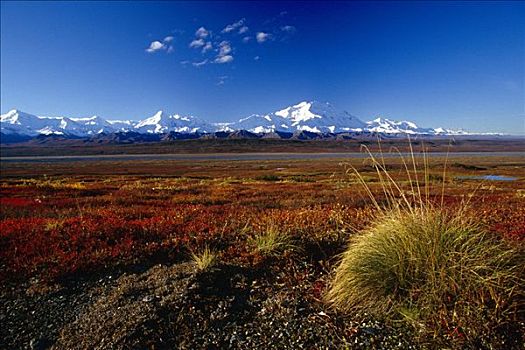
(430, 269)
(205, 259)
(272, 241)
(437, 270)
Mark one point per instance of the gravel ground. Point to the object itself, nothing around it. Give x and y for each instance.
(175, 306)
(32, 315)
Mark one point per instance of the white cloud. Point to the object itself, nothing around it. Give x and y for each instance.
(224, 48)
(262, 37)
(224, 59)
(288, 29)
(231, 27)
(168, 39)
(256, 58)
(224, 53)
(243, 29)
(207, 47)
(246, 39)
(202, 33)
(156, 46)
(197, 43)
(170, 49)
(198, 64)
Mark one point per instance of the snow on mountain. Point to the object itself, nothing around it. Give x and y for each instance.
(226, 127)
(161, 122)
(387, 126)
(262, 123)
(310, 116)
(122, 125)
(86, 126)
(18, 122)
(321, 117)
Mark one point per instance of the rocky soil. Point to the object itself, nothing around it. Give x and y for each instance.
(175, 306)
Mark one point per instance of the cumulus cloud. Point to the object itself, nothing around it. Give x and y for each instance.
(207, 47)
(224, 55)
(214, 50)
(262, 37)
(224, 59)
(195, 44)
(231, 27)
(164, 45)
(156, 46)
(224, 48)
(202, 33)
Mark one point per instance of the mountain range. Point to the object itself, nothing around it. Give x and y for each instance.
(305, 117)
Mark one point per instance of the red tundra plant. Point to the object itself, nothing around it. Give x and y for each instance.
(19, 202)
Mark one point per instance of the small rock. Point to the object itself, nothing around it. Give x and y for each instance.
(39, 344)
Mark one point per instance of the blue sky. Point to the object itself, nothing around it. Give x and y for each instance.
(459, 65)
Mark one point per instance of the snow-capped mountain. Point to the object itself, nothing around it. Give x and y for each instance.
(18, 122)
(21, 123)
(161, 123)
(310, 116)
(84, 126)
(387, 126)
(307, 116)
(122, 125)
(321, 117)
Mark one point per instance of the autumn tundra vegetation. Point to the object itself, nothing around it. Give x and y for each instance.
(382, 252)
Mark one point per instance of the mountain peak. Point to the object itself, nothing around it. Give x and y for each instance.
(12, 114)
(312, 116)
(389, 123)
(16, 116)
(153, 120)
(158, 116)
(311, 103)
(161, 122)
(13, 111)
(159, 113)
(308, 116)
(303, 104)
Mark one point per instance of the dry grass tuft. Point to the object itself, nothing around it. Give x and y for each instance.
(272, 242)
(434, 270)
(205, 259)
(440, 272)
